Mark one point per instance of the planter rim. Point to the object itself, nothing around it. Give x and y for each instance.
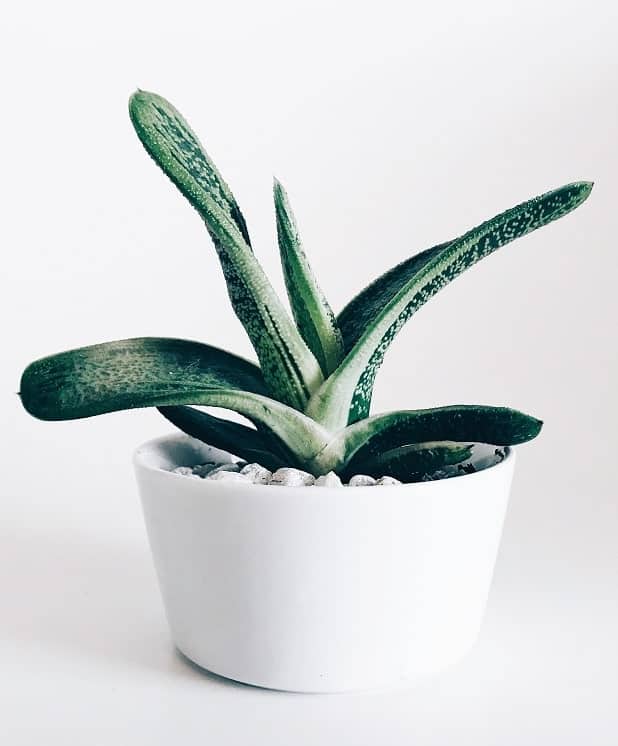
(144, 453)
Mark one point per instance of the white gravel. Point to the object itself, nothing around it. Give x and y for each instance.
(387, 480)
(288, 477)
(185, 471)
(361, 480)
(243, 473)
(229, 476)
(257, 473)
(328, 480)
(231, 467)
(203, 470)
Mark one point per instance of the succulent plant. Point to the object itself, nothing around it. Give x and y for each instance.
(309, 399)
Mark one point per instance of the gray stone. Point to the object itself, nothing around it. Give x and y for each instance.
(328, 480)
(288, 477)
(224, 467)
(185, 471)
(387, 481)
(257, 473)
(361, 480)
(203, 470)
(229, 476)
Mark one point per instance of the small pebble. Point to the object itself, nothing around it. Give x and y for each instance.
(257, 474)
(185, 471)
(203, 470)
(231, 467)
(361, 480)
(288, 477)
(328, 480)
(229, 476)
(387, 481)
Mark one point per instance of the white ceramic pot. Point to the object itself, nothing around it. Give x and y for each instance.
(317, 589)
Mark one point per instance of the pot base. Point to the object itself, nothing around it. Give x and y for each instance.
(326, 687)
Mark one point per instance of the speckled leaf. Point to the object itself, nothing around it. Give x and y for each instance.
(362, 310)
(346, 395)
(411, 463)
(312, 313)
(155, 372)
(244, 442)
(290, 369)
(465, 423)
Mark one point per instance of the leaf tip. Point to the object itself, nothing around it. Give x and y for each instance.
(579, 191)
(136, 102)
(136, 97)
(278, 190)
(27, 391)
(140, 101)
(535, 427)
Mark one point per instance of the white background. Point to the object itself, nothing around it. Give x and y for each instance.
(394, 126)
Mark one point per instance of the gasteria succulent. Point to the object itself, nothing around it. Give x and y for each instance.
(310, 397)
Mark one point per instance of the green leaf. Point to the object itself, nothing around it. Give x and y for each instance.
(368, 439)
(361, 311)
(155, 372)
(290, 369)
(242, 441)
(346, 395)
(312, 313)
(411, 463)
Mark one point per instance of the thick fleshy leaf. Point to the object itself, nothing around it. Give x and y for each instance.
(465, 423)
(411, 463)
(155, 372)
(346, 395)
(312, 313)
(363, 309)
(290, 369)
(244, 442)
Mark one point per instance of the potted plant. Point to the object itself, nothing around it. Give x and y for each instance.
(267, 580)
